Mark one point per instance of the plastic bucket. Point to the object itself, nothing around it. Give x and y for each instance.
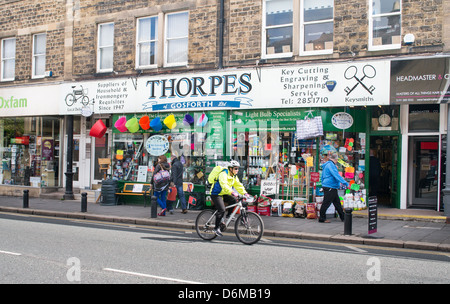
(132, 125)
(144, 122)
(202, 120)
(120, 124)
(98, 129)
(170, 122)
(155, 124)
(188, 120)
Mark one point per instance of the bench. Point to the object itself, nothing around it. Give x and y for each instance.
(135, 189)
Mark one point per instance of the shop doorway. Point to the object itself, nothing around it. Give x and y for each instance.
(383, 170)
(423, 171)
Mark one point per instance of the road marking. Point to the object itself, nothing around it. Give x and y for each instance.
(10, 253)
(151, 276)
(356, 249)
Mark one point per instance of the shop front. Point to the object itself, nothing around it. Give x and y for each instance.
(420, 87)
(31, 140)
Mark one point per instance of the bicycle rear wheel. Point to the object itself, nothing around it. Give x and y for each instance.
(249, 228)
(204, 224)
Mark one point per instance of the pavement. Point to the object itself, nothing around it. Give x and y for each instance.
(399, 228)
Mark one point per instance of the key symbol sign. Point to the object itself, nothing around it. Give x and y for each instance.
(351, 72)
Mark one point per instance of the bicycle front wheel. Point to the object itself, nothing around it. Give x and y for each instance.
(85, 100)
(204, 224)
(249, 228)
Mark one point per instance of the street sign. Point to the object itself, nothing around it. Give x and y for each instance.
(373, 214)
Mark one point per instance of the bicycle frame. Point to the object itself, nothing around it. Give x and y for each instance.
(239, 203)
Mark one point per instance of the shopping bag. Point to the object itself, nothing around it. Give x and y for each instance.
(309, 128)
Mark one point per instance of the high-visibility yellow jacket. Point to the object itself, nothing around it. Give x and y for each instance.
(226, 183)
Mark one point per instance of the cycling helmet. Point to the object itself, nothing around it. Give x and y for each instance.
(233, 164)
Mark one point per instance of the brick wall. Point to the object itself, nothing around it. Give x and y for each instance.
(71, 27)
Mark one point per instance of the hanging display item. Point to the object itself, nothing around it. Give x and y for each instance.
(144, 122)
(98, 129)
(188, 120)
(156, 124)
(202, 120)
(120, 124)
(170, 122)
(132, 125)
(309, 128)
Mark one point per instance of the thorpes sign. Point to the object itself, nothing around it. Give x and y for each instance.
(202, 92)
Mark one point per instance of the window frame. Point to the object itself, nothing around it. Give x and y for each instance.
(4, 59)
(303, 52)
(264, 54)
(138, 43)
(166, 40)
(35, 56)
(100, 48)
(392, 46)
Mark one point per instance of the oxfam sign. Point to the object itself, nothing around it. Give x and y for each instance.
(12, 102)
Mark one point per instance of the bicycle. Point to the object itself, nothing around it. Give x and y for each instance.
(73, 97)
(248, 227)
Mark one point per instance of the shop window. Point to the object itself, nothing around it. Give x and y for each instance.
(197, 147)
(384, 24)
(385, 118)
(8, 59)
(30, 151)
(423, 118)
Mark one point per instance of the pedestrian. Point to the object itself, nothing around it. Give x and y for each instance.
(331, 181)
(160, 182)
(176, 179)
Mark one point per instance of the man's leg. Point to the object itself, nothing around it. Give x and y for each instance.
(327, 199)
(180, 194)
(337, 204)
(220, 206)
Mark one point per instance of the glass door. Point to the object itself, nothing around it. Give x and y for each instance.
(424, 170)
(76, 161)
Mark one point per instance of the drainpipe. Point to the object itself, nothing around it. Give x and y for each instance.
(446, 190)
(221, 27)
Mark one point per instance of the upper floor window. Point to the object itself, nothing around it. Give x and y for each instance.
(8, 59)
(176, 39)
(277, 28)
(384, 24)
(105, 47)
(316, 23)
(147, 39)
(39, 52)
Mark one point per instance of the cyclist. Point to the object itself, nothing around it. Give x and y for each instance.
(222, 191)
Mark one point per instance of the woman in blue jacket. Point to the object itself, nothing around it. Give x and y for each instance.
(331, 181)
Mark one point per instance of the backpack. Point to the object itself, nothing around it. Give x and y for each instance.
(214, 175)
(161, 179)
